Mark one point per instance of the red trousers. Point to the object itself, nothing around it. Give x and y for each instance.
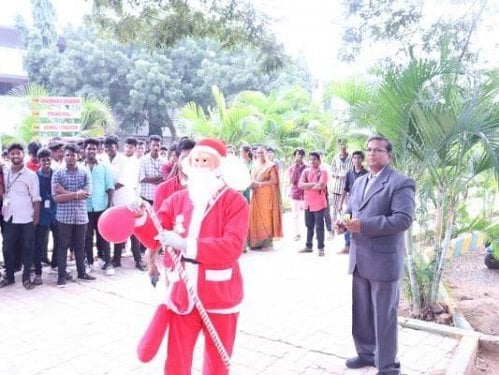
(183, 332)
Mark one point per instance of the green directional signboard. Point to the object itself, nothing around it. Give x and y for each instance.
(57, 115)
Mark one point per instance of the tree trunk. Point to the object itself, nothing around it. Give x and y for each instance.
(439, 213)
(155, 129)
(169, 124)
(411, 269)
(442, 254)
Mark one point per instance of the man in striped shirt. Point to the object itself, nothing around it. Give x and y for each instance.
(21, 212)
(340, 165)
(150, 169)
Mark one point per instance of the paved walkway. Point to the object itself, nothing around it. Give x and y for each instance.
(295, 320)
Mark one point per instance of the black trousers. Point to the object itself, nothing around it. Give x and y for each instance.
(315, 220)
(41, 246)
(136, 250)
(327, 215)
(15, 235)
(71, 234)
(103, 246)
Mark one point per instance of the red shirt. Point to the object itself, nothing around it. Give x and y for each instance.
(166, 169)
(33, 165)
(164, 190)
(315, 200)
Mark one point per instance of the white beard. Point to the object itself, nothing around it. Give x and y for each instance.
(202, 185)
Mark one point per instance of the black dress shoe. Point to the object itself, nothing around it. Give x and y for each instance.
(359, 362)
(396, 367)
(86, 276)
(6, 282)
(140, 266)
(306, 250)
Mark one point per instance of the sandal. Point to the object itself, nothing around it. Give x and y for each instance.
(28, 285)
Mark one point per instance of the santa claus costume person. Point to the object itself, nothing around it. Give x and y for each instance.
(206, 224)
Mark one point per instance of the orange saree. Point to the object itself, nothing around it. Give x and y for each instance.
(265, 206)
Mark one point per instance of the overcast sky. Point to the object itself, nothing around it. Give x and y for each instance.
(310, 28)
(305, 27)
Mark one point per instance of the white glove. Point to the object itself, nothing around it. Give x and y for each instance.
(137, 207)
(170, 238)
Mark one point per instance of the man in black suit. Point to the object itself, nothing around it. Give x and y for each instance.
(382, 209)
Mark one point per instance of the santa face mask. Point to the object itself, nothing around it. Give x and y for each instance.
(204, 159)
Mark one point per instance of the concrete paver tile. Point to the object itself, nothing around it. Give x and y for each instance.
(295, 319)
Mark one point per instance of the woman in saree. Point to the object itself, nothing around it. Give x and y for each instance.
(265, 205)
(247, 158)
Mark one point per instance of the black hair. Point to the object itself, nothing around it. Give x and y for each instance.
(131, 141)
(388, 144)
(247, 148)
(270, 149)
(111, 140)
(155, 137)
(43, 153)
(72, 147)
(15, 146)
(55, 145)
(141, 142)
(360, 153)
(33, 148)
(92, 141)
(163, 148)
(185, 144)
(316, 154)
(299, 151)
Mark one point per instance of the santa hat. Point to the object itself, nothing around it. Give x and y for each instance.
(212, 145)
(232, 170)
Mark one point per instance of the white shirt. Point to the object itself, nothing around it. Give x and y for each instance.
(125, 172)
(371, 178)
(21, 190)
(56, 165)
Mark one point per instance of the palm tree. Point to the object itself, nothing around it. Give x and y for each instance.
(282, 119)
(234, 125)
(96, 118)
(445, 133)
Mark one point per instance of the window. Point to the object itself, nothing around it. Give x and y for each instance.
(5, 87)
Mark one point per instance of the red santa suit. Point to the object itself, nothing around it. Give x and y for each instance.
(165, 189)
(215, 238)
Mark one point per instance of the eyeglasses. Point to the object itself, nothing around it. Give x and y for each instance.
(375, 150)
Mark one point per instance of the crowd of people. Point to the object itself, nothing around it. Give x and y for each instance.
(63, 188)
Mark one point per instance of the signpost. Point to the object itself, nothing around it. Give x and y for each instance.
(57, 115)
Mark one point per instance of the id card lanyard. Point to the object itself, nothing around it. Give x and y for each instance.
(6, 200)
